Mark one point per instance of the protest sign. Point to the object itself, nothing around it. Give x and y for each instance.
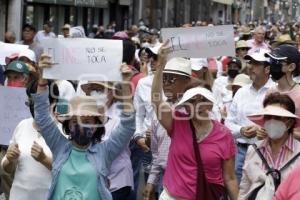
(84, 59)
(7, 49)
(200, 42)
(13, 111)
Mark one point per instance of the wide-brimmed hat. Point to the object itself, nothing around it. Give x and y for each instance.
(240, 80)
(258, 55)
(241, 44)
(272, 110)
(196, 91)
(282, 39)
(198, 63)
(82, 106)
(179, 66)
(106, 84)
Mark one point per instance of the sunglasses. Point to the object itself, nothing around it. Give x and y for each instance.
(169, 80)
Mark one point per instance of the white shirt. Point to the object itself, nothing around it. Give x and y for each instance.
(221, 93)
(42, 35)
(121, 174)
(143, 106)
(246, 101)
(32, 179)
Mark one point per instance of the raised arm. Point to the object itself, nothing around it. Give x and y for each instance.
(162, 109)
(51, 133)
(121, 136)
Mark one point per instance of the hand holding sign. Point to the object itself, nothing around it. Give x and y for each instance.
(84, 59)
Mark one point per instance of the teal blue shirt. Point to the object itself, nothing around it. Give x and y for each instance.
(77, 178)
(100, 155)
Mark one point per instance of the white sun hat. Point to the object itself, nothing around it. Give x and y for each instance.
(196, 91)
(198, 63)
(179, 66)
(28, 53)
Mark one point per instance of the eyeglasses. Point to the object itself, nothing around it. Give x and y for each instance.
(244, 49)
(169, 80)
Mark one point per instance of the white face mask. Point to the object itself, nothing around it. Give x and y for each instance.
(100, 96)
(146, 44)
(275, 128)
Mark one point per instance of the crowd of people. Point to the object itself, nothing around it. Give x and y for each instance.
(197, 128)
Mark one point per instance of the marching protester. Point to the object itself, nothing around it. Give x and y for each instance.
(275, 156)
(10, 37)
(176, 73)
(200, 71)
(29, 156)
(247, 101)
(222, 95)
(284, 65)
(242, 49)
(46, 33)
(258, 41)
(239, 81)
(17, 74)
(28, 34)
(121, 175)
(186, 175)
(85, 155)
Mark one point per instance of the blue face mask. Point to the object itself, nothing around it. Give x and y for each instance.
(81, 135)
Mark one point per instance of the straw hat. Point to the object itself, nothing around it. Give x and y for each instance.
(272, 110)
(240, 80)
(241, 44)
(282, 39)
(108, 84)
(82, 106)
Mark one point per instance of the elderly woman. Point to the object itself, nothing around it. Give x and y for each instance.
(278, 152)
(201, 157)
(81, 164)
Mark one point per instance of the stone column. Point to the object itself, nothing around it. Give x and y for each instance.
(15, 16)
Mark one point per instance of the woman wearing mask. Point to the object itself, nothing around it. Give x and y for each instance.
(284, 65)
(121, 174)
(201, 157)
(29, 156)
(279, 149)
(81, 164)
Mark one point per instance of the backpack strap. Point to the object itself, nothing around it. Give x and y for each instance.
(262, 157)
(290, 162)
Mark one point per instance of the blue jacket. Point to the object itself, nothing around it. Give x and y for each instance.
(100, 155)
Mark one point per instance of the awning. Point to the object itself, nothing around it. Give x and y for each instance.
(227, 2)
(82, 3)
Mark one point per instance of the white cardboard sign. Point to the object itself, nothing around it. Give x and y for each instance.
(84, 59)
(13, 111)
(200, 42)
(7, 49)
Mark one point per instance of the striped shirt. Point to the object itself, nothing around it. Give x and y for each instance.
(285, 152)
